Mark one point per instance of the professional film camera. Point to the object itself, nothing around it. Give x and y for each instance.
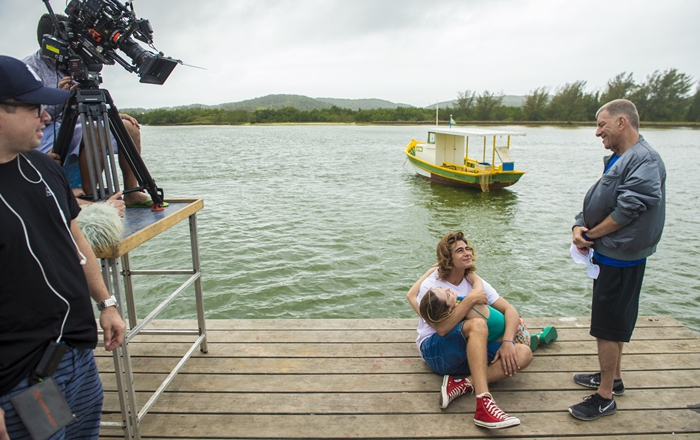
(94, 31)
(89, 39)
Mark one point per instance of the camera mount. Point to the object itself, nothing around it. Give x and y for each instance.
(82, 45)
(98, 117)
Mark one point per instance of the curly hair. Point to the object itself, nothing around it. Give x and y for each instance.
(444, 254)
(433, 309)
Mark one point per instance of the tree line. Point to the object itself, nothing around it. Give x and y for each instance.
(665, 96)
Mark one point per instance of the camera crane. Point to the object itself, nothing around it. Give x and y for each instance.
(83, 44)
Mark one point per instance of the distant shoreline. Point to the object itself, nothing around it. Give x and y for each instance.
(643, 124)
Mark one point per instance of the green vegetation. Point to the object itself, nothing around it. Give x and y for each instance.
(663, 97)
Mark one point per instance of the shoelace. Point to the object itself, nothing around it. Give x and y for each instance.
(591, 401)
(455, 392)
(494, 410)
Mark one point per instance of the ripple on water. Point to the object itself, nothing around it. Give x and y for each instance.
(331, 222)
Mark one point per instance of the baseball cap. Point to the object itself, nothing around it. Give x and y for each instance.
(19, 81)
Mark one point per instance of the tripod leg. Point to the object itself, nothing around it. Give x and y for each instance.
(132, 156)
(91, 157)
(98, 117)
(61, 145)
(106, 151)
(95, 145)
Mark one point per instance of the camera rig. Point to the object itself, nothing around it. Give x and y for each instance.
(95, 29)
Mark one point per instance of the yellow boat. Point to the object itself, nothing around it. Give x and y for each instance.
(445, 158)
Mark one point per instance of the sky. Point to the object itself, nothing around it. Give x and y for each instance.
(414, 52)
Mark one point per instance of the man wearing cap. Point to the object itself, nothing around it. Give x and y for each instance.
(49, 272)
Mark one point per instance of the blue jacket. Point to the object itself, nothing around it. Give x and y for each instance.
(633, 193)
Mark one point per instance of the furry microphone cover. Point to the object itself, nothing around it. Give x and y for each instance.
(101, 224)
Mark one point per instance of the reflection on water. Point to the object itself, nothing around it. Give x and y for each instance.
(331, 222)
(474, 212)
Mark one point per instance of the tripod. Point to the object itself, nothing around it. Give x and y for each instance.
(98, 117)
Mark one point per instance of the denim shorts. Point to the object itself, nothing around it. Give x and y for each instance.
(448, 354)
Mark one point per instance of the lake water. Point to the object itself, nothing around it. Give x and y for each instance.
(331, 221)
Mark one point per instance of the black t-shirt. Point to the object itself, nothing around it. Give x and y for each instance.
(31, 228)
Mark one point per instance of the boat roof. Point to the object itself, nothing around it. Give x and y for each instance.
(463, 131)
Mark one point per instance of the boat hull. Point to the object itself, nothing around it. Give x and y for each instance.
(462, 184)
(462, 177)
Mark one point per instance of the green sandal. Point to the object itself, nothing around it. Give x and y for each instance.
(548, 334)
(534, 342)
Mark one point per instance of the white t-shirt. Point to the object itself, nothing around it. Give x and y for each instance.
(424, 330)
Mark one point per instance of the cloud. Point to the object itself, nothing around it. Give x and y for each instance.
(410, 51)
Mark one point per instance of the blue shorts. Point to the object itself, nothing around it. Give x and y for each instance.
(77, 377)
(448, 354)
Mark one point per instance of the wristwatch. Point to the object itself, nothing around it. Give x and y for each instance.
(109, 302)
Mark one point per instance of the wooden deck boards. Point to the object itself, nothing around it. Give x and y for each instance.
(365, 379)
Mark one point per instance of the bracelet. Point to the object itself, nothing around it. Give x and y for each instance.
(508, 340)
(585, 237)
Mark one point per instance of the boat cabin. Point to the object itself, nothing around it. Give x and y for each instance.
(471, 148)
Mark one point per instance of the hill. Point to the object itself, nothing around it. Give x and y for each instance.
(362, 104)
(277, 102)
(305, 103)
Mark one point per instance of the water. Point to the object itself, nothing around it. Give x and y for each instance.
(331, 222)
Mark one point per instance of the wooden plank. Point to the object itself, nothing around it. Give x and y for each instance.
(406, 349)
(393, 403)
(398, 426)
(206, 364)
(383, 336)
(365, 379)
(654, 436)
(661, 347)
(322, 325)
(391, 383)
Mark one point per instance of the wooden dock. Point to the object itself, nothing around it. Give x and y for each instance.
(364, 379)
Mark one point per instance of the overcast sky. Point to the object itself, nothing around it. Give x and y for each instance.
(405, 51)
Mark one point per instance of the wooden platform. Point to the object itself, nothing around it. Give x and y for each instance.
(365, 379)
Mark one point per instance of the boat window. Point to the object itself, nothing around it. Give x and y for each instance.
(431, 138)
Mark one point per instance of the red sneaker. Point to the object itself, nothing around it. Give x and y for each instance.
(489, 415)
(452, 388)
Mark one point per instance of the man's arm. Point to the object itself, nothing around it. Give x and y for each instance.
(507, 353)
(116, 201)
(3, 428)
(476, 282)
(459, 313)
(607, 226)
(412, 295)
(110, 321)
(641, 190)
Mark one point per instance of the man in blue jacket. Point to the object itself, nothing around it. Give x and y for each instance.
(621, 223)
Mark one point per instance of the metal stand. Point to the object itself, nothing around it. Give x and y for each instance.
(98, 118)
(181, 209)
